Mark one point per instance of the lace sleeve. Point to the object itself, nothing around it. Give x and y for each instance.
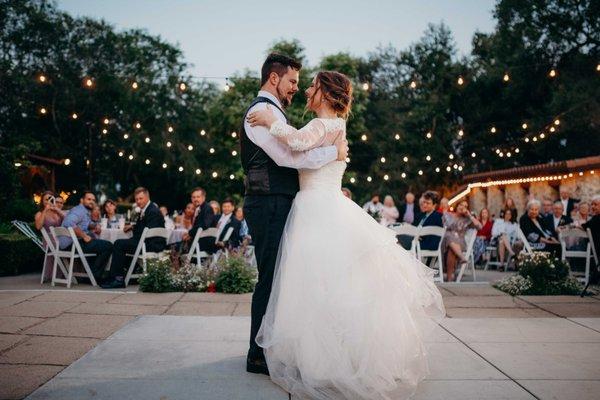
(308, 137)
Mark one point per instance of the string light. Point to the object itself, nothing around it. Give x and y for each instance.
(352, 180)
(234, 153)
(451, 156)
(106, 121)
(428, 157)
(190, 147)
(369, 179)
(67, 161)
(147, 161)
(428, 135)
(552, 129)
(347, 160)
(233, 134)
(552, 73)
(534, 139)
(134, 85)
(598, 68)
(43, 110)
(214, 174)
(211, 150)
(403, 175)
(170, 129)
(557, 122)
(460, 81)
(147, 140)
(232, 177)
(120, 154)
(473, 155)
(506, 77)
(202, 132)
(397, 137)
(448, 169)
(198, 171)
(182, 86)
(88, 83)
(460, 168)
(74, 116)
(420, 172)
(365, 86)
(437, 169)
(137, 125)
(386, 177)
(105, 131)
(524, 126)
(542, 135)
(405, 159)
(363, 138)
(180, 169)
(526, 140)
(169, 144)
(413, 85)
(130, 157)
(455, 166)
(382, 159)
(493, 129)
(42, 78)
(461, 133)
(517, 150)
(18, 164)
(164, 165)
(126, 136)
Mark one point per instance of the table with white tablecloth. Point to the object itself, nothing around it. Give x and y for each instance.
(112, 234)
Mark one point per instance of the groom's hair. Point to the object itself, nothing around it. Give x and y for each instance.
(279, 64)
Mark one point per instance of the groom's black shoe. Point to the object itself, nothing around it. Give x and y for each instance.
(257, 366)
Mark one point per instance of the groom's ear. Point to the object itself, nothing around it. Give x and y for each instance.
(274, 78)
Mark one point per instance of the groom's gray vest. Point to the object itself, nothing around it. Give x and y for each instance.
(263, 176)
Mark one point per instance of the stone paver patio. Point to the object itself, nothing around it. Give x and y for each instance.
(43, 330)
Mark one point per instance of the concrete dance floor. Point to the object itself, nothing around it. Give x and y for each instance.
(202, 357)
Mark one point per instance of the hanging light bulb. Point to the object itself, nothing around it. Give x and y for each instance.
(137, 125)
(473, 155)
(67, 161)
(130, 157)
(170, 129)
(428, 157)
(542, 135)
(535, 139)
(169, 144)
(460, 81)
(420, 172)
(461, 133)
(557, 122)
(233, 134)
(405, 159)
(42, 78)
(448, 168)
(363, 138)
(147, 140)
(403, 175)
(215, 174)
(88, 83)
(120, 154)
(352, 180)
(105, 121)
(369, 179)
(524, 126)
(397, 137)
(180, 169)
(198, 171)
(190, 147)
(105, 131)
(147, 161)
(386, 177)
(437, 169)
(365, 86)
(202, 132)
(134, 85)
(125, 136)
(211, 150)
(460, 168)
(382, 159)
(182, 86)
(43, 110)
(493, 129)
(164, 165)
(506, 77)
(234, 153)
(428, 135)
(451, 156)
(413, 85)
(74, 116)
(598, 68)
(552, 73)
(232, 177)
(517, 150)
(552, 129)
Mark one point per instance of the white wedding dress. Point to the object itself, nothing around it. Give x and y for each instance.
(349, 308)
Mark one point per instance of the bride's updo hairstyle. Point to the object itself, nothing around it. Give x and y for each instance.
(336, 89)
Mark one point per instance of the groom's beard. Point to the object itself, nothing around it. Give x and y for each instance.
(283, 99)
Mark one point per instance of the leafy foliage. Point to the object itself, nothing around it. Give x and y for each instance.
(235, 276)
(158, 277)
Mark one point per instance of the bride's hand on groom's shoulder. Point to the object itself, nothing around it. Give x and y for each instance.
(264, 117)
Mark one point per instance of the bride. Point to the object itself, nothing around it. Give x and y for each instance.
(349, 307)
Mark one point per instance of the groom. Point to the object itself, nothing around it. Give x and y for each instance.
(271, 183)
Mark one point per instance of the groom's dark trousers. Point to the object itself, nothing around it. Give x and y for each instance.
(266, 216)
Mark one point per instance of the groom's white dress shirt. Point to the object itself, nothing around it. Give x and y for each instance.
(280, 152)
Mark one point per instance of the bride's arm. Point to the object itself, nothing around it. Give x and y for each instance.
(308, 137)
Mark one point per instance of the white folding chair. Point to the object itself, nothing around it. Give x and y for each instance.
(195, 251)
(74, 253)
(586, 254)
(492, 252)
(50, 251)
(527, 249)
(470, 237)
(407, 230)
(591, 238)
(223, 252)
(26, 230)
(142, 255)
(435, 256)
(250, 256)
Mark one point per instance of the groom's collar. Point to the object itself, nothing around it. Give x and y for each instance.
(264, 93)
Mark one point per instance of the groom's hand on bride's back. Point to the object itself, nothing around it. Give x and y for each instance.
(342, 147)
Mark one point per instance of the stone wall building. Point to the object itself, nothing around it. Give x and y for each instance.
(581, 177)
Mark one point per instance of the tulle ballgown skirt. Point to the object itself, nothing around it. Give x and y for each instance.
(349, 308)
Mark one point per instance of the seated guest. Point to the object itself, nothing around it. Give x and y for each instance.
(509, 204)
(538, 234)
(374, 206)
(48, 215)
(150, 217)
(557, 219)
(582, 215)
(226, 221)
(186, 220)
(546, 208)
(244, 231)
(79, 218)
(429, 216)
(457, 223)
(504, 234)
(444, 206)
(346, 192)
(389, 212)
(164, 211)
(204, 218)
(95, 214)
(484, 235)
(109, 209)
(216, 208)
(593, 224)
(408, 211)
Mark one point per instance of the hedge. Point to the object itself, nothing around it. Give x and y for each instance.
(19, 255)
